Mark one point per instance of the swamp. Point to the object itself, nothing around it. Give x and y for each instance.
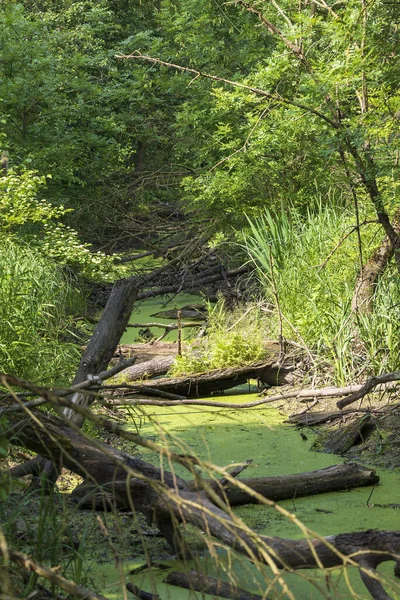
(199, 300)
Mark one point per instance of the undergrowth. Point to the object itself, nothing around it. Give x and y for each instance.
(38, 329)
(307, 268)
(234, 338)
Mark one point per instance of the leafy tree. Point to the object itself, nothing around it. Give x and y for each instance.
(76, 112)
(315, 111)
(28, 218)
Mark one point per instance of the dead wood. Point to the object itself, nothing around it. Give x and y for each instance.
(376, 383)
(104, 341)
(342, 439)
(310, 419)
(167, 327)
(98, 353)
(150, 368)
(29, 564)
(283, 487)
(196, 312)
(193, 580)
(147, 351)
(138, 593)
(206, 383)
(190, 282)
(146, 489)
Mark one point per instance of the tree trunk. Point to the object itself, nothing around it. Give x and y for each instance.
(150, 368)
(368, 278)
(195, 581)
(330, 479)
(105, 339)
(98, 353)
(340, 440)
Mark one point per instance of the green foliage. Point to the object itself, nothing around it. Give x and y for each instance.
(75, 111)
(334, 82)
(36, 220)
(41, 524)
(36, 316)
(19, 203)
(315, 269)
(234, 338)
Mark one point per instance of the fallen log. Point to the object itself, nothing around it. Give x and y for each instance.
(283, 487)
(378, 382)
(193, 580)
(151, 368)
(138, 593)
(311, 419)
(166, 326)
(342, 439)
(224, 379)
(97, 355)
(164, 495)
(196, 312)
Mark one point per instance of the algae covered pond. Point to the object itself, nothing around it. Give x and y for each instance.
(145, 311)
(227, 436)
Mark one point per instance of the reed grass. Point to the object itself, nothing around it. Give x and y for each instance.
(315, 262)
(36, 315)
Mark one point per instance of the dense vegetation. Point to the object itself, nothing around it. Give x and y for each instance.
(102, 150)
(200, 135)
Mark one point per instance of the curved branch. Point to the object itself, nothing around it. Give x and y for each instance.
(368, 386)
(254, 90)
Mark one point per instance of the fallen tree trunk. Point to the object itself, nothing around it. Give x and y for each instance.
(224, 379)
(97, 355)
(105, 338)
(330, 479)
(311, 419)
(148, 490)
(193, 580)
(340, 440)
(151, 368)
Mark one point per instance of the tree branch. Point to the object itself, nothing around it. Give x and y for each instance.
(277, 98)
(368, 386)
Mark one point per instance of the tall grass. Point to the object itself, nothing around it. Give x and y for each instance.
(234, 338)
(36, 304)
(312, 266)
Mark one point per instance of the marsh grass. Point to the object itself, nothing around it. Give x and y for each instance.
(37, 305)
(314, 267)
(234, 338)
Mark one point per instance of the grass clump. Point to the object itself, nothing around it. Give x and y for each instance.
(37, 323)
(307, 267)
(234, 338)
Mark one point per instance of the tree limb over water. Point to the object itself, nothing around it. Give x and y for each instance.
(169, 499)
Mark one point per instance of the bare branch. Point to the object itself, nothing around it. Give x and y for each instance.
(257, 91)
(369, 385)
(309, 393)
